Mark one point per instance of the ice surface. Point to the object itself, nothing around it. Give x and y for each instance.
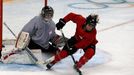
(115, 50)
(101, 57)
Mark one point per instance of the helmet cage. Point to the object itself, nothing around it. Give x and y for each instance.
(47, 12)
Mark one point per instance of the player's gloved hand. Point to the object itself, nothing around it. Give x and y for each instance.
(60, 24)
(72, 50)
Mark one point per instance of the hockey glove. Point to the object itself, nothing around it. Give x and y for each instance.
(60, 24)
(72, 50)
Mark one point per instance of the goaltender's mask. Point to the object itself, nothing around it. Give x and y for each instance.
(47, 13)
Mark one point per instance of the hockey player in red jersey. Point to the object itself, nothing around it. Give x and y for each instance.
(84, 38)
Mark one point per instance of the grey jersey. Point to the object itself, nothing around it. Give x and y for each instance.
(40, 31)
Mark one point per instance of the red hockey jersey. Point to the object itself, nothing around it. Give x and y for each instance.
(83, 38)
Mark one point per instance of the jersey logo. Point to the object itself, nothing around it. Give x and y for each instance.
(80, 37)
(50, 32)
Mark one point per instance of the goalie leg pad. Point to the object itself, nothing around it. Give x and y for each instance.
(18, 56)
(22, 40)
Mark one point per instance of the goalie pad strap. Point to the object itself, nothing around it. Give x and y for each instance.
(5, 57)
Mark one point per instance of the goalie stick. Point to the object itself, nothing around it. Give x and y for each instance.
(80, 73)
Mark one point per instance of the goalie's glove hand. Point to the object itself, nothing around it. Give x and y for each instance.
(60, 24)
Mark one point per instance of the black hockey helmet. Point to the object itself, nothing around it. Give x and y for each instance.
(92, 19)
(47, 12)
(91, 22)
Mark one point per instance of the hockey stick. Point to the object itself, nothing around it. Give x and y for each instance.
(10, 30)
(30, 54)
(80, 73)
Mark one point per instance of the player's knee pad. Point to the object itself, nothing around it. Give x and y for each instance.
(60, 56)
(89, 53)
(90, 46)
